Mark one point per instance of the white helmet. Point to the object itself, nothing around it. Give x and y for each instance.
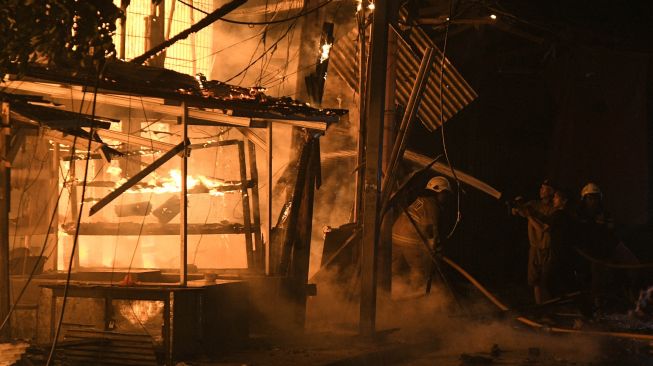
(438, 184)
(590, 188)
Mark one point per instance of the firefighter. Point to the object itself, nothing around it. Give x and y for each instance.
(538, 213)
(419, 222)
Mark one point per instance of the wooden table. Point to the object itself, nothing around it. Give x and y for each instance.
(183, 320)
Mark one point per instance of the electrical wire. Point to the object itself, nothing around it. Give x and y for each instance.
(122, 197)
(281, 79)
(444, 142)
(33, 271)
(294, 17)
(140, 230)
(228, 47)
(45, 240)
(264, 39)
(272, 76)
(26, 187)
(264, 52)
(77, 226)
(208, 213)
(260, 41)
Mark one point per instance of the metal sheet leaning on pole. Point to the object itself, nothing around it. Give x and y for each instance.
(409, 115)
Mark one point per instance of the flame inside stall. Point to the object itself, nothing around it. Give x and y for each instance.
(140, 228)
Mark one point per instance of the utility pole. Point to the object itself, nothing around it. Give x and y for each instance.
(389, 131)
(5, 192)
(374, 112)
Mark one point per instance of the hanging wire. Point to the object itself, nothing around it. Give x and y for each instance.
(45, 240)
(77, 225)
(294, 17)
(444, 142)
(264, 53)
(36, 265)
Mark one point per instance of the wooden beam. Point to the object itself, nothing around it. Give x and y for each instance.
(183, 202)
(135, 140)
(208, 116)
(136, 178)
(5, 194)
(254, 138)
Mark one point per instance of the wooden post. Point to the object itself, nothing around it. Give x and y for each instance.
(72, 174)
(56, 162)
(299, 233)
(183, 224)
(247, 216)
(5, 194)
(375, 108)
(268, 254)
(154, 32)
(362, 82)
(259, 255)
(124, 4)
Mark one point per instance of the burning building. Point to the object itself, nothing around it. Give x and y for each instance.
(183, 177)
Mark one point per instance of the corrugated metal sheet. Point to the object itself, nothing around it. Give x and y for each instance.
(94, 347)
(457, 93)
(10, 353)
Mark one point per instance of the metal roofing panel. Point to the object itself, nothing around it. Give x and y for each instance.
(456, 93)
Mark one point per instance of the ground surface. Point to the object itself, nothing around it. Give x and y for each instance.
(430, 331)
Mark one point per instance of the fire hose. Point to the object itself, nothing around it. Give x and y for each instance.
(534, 324)
(503, 307)
(612, 264)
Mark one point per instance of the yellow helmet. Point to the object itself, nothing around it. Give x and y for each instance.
(590, 188)
(438, 184)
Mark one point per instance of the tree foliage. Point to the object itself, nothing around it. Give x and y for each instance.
(56, 33)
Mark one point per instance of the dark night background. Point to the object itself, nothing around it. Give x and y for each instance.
(565, 92)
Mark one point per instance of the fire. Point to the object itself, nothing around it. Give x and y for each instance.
(114, 171)
(139, 312)
(326, 48)
(359, 5)
(172, 184)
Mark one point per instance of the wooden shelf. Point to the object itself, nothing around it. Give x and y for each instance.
(132, 228)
